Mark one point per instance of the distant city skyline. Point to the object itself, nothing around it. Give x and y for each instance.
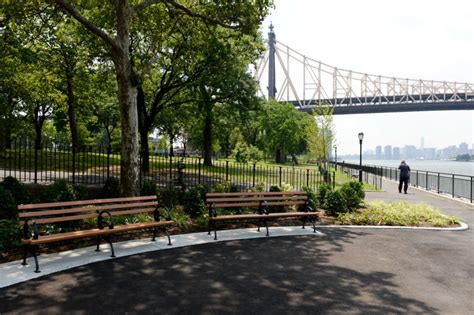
(389, 152)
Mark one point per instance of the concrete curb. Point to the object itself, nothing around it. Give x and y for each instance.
(463, 227)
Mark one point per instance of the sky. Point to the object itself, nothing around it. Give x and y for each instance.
(417, 39)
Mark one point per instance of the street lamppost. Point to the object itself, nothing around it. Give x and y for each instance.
(335, 156)
(361, 137)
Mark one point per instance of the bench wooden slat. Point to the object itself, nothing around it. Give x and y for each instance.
(270, 193)
(83, 202)
(216, 200)
(64, 219)
(263, 216)
(85, 209)
(135, 211)
(257, 204)
(94, 232)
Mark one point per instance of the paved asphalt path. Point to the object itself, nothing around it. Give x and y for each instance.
(362, 271)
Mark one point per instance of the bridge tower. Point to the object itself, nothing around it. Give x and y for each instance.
(271, 64)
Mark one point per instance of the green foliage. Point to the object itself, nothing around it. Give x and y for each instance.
(225, 186)
(59, 191)
(18, 190)
(463, 157)
(275, 188)
(260, 186)
(111, 188)
(181, 219)
(400, 213)
(322, 192)
(10, 235)
(170, 196)
(312, 198)
(81, 192)
(194, 201)
(179, 180)
(334, 202)
(148, 188)
(7, 205)
(351, 195)
(244, 153)
(358, 187)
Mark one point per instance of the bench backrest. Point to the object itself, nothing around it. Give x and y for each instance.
(255, 199)
(45, 213)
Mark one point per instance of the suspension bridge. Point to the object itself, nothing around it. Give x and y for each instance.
(307, 83)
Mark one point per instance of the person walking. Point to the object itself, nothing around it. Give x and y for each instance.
(404, 176)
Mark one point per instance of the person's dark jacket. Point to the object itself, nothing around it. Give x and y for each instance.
(404, 171)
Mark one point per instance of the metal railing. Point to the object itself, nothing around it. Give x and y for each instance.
(455, 185)
(93, 165)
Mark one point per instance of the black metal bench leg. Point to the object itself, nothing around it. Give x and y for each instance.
(209, 227)
(313, 221)
(165, 229)
(215, 230)
(25, 250)
(266, 226)
(98, 244)
(109, 239)
(258, 226)
(33, 253)
(304, 222)
(153, 239)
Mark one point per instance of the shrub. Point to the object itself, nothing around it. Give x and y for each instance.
(260, 187)
(148, 188)
(111, 188)
(226, 187)
(351, 196)
(359, 188)
(17, 189)
(322, 192)
(244, 153)
(170, 196)
(7, 205)
(58, 191)
(275, 188)
(194, 201)
(312, 198)
(10, 235)
(81, 192)
(334, 202)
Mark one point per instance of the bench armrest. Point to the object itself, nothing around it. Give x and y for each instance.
(212, 211)
(264, 208)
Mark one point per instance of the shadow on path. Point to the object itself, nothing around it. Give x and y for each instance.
(273, 275)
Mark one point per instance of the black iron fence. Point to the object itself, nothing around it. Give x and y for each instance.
(93, 165)
(455, 185)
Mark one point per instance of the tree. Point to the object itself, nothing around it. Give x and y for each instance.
(284, 130)
(325, 129)
(105, 21)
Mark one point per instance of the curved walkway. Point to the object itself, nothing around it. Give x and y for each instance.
(344, 270)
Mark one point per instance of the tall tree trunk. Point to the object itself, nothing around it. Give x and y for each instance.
(279, 156)
(144, 128)
(127, 95)
(171, 144)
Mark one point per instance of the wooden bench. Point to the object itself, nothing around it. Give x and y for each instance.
(35, 217)
(261, 201)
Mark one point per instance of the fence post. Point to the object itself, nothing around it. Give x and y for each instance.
(108, 161)
(453, 187)
(426, 179)
(36, 164)
(226, 171)
(471, 189)
(199, 171)
(253, 174)
(333, 180)
(438, 183)
(280, 176)
(307, 177)
(171, 168)
(73, 164)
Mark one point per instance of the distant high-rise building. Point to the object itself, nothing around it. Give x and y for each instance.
(422, 144)
(410, 152)
(396, 153)
(378, 152)
(463, 148)
(387, 150)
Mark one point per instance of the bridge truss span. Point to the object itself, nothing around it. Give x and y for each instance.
(306, 83)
